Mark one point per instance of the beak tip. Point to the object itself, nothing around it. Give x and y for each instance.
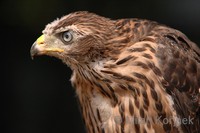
(35, 48)
(33, 51)
(32, 57)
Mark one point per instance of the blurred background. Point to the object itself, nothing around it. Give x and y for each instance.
(37, 94)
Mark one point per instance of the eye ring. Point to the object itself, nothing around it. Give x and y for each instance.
(67, 36)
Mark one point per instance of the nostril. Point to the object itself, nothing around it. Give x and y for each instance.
(40, 43)
(40, 40)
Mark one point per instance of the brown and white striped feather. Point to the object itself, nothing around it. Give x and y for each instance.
(136, 70)
(140, 84)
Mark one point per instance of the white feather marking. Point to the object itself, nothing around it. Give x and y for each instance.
(175, 118)
(103, 104)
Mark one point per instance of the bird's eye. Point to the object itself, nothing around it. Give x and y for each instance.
(67, 36)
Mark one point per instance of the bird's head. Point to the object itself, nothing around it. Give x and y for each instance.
(77, 37)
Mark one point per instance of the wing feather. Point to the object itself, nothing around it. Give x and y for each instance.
(179, 60)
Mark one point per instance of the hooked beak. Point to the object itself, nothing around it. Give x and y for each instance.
(39, 47)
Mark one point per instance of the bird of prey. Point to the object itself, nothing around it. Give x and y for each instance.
(130, 75)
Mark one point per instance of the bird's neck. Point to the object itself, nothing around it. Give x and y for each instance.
(113, 102)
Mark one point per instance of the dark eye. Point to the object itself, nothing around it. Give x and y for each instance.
(67, 36)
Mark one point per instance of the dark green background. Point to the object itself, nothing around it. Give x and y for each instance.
(37, 95)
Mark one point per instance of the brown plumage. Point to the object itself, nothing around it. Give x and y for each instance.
(130, 75)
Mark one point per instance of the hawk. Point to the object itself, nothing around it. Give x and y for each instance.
(130, 75)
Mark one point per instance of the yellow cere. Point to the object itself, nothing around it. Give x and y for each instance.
(40, 40)
(55, 50)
